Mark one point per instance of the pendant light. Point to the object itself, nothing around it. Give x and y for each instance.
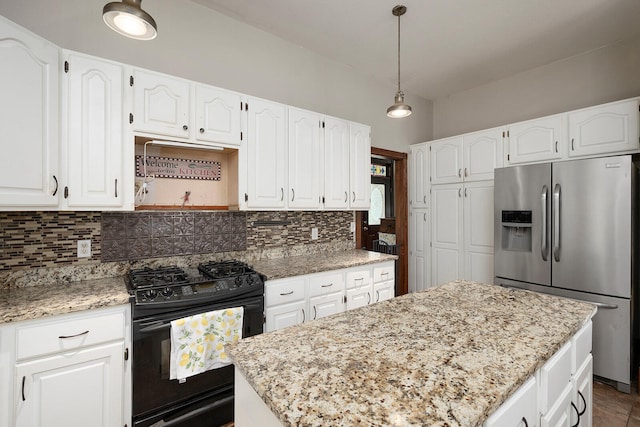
(128, 19)
(399, 109)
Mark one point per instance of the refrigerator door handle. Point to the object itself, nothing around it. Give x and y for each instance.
(556, 223)
(543, 201)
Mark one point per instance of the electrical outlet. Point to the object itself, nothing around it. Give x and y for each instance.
(353, 227)
(314, 233)
(84, 248)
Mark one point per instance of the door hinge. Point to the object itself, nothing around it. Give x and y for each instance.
(66, 192)
(130, 118)
(126, 353)
(66, 66)
(246, 197)
(130, 80)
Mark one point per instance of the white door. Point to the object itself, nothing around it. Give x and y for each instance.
(285, 315)
(478, 231)
(160, 104)
(305, 159)
(266, 155)
(446, 160)
(482, 153)
(336, 163)
(419, 176)
(218, 115)
(77, 390)
(583, 384)
(446, 233)
(604, 129)
(92, 129)
(29, 84)
(537, 140)
(326, 305)
(418, 249)
(359, 166)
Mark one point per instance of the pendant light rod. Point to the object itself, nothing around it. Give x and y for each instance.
(399, 109)
(399, 11)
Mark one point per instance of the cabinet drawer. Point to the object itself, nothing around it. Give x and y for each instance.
(63, 334)
(325, 284)
(384, 272)
(518, 409)
(554, 377)
(283, 291)
(358, 278)
(580, 346)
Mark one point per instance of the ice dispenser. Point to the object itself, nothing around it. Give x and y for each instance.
(516, 230)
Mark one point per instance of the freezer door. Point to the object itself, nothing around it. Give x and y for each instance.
(591, 238)
(611, 331)
(521, 223)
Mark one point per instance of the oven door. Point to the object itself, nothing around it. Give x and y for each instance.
(152, 388)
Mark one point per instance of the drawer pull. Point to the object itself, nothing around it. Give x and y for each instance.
(359, 278)
(369, 296)
(304, 318)
(577, 413)
(23, 380)
(384, 273)
(64, 337)
(286, 293)
(377, 296)
(315, 313)
(584, 403)
(327, 286)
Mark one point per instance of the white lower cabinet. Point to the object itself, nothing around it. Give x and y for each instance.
(520, 410)
(70, 370)
(299, 299)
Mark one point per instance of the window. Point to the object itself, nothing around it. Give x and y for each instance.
(381, 191)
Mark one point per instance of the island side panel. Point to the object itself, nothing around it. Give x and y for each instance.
(249, 409)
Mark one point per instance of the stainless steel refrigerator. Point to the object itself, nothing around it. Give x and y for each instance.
(568, 229)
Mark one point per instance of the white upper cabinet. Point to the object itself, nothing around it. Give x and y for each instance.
(446, 160)
(336, 163)
(481, 154)
(305, 159)
(536, 140)
(160, 104)
(29, 84)
(266, 154)
(218, 115)
(360, 166)
(603, 129)
(419, 175)
(92, 143)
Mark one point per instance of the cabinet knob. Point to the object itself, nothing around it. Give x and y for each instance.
(201, 130)
(185, 127)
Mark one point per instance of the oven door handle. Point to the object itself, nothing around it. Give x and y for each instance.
(192, 414)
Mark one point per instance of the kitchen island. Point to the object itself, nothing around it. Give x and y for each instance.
(450, 355)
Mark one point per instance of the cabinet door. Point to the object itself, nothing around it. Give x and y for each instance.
(446, 161)
(560, 413)
(29, 84)
(92, 127)
(446, 233)
(359, 297)
(218, 113)
(418, 249)
(266, 155)
(604, 129)
(537, 140)
(336, 164)
(482, 153)
(583, 398)
(383, 291)
(478, 231)
(305, 159)
(326, 305)
(359, 166)
(81, 389)
(419, 176)
(282, 316)
(160, 104)
(520, 409)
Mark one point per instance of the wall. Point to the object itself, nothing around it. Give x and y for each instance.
(199, 44)
(602, 75)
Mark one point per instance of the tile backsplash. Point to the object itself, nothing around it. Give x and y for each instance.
(48, 239)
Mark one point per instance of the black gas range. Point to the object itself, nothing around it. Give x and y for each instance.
(161, 295)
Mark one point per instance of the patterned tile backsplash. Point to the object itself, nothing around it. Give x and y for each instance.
(48, 239)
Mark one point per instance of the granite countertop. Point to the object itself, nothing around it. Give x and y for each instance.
(279, 268)
(447, 356)
(34, 302)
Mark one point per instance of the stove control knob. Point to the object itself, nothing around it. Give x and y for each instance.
(167, 292)
(151, 293)
(238, 281)
(250, 280)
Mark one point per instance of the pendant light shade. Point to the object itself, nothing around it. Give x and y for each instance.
(128, 18)
(399, 109)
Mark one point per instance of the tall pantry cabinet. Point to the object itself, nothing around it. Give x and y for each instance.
(419, 217)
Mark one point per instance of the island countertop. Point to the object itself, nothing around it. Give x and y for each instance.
(447, 356)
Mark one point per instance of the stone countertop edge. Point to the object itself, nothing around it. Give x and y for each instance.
(278, 268)
(477, 344)
(35, 302)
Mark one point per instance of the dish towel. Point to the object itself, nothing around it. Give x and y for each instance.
(197, 342)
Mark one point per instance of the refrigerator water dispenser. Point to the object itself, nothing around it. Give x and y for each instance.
(516, 231)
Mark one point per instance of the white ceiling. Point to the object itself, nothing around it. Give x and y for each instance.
(446, 45)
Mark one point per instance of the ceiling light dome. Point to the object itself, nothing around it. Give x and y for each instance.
(399, 109)
(128, 19)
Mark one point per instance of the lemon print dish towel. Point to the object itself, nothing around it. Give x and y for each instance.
(197, 342)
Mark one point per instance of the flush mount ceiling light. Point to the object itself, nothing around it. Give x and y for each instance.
(399, 109)
(128, 19)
